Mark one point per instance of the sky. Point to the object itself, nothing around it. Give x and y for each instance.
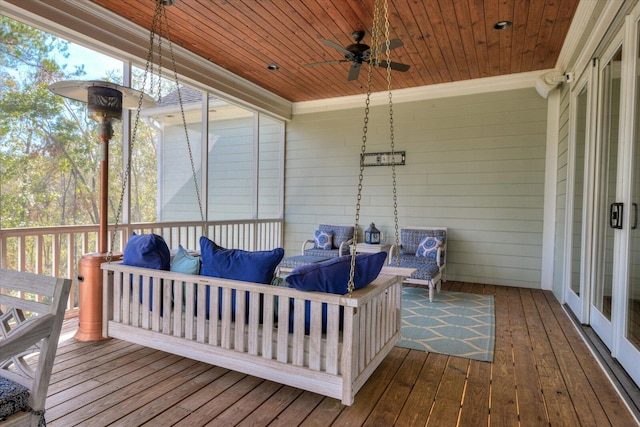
(96, 64)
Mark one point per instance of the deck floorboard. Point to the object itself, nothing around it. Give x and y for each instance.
(543, 374)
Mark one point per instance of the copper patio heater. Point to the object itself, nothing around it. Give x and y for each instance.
(105, 102)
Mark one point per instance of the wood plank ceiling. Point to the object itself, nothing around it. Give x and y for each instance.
(444, 40)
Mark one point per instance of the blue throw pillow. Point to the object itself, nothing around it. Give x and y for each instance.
(323, 240)
(332, 276)
(237, 264)
(184, 262)
(428, 247)
(147, 250)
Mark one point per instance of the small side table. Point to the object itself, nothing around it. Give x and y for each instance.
(365, 248)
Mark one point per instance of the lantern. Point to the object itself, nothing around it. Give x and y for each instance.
(372, 235)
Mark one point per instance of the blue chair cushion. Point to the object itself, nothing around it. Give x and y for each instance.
(322, 253)
(410, 238)
(426, 269)
(298, 260)
(341, 233)
(13, 398)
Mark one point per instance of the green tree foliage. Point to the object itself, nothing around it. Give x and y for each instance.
(49, 150)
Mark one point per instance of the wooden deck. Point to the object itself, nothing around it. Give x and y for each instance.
(543, 374)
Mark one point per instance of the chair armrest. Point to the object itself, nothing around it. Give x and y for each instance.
(394, 248)
(26, 335)
(346, 244)
(305, 243)
(442, 253)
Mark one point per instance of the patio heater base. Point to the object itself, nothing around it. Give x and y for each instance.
(90, 295)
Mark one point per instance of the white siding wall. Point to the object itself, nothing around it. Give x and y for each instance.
(178, 201)
(474, 164)
(231, 160)
(231, 166)
(270, 165)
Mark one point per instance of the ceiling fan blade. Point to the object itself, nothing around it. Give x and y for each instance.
(382, 47)
(394, 43)
(336, 47)
(335, 61)
(354, 71)
(394, 65)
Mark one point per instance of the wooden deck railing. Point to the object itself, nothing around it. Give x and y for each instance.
(56, 251)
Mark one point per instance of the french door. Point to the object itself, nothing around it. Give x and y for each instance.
(602, 270)
(627, 316)
(579, 213)
(609, 214)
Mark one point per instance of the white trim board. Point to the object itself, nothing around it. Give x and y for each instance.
(442, 90)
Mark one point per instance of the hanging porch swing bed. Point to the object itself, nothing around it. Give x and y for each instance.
(323, 342)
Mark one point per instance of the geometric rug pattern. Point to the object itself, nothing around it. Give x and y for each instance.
(455, 323)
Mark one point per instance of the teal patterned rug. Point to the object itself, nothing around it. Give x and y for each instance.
(455, 323)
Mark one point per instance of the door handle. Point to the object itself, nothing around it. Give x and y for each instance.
(635, 216)
(615, 215)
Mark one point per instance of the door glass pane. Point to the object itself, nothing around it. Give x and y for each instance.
(578, 190)
(633, 301)
(610, 81)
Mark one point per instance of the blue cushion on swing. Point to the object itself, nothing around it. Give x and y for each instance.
(184, 262)
(148, 251)
(332, 276)
(237, 264)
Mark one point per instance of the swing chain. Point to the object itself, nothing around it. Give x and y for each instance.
(391, 130)
(134, 133)
(160, 13)
(375, 55)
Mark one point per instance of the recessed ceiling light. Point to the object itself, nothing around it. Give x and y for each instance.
(273, 67)
(502, 25)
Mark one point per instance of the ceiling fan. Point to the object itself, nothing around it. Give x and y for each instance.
(358, 53)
